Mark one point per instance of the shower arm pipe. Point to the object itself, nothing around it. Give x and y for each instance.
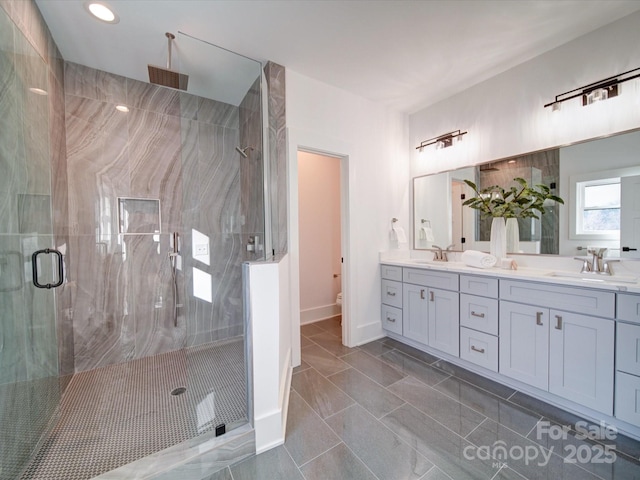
(170, 38)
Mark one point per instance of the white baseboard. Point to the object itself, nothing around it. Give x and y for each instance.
(312, 315)
(369, 332)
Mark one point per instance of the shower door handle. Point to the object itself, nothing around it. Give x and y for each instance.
(34, 267)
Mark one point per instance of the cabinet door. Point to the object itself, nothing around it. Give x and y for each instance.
(414, 313)
(524, 343)
(581, 353)
(444, 321)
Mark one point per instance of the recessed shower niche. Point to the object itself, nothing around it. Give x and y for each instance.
(138, 215)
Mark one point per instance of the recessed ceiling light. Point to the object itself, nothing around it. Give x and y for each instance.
(38, 91)
(102, 12)
(122, 108)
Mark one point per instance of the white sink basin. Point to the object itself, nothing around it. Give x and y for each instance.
(595, 278)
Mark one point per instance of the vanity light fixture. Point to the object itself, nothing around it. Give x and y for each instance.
(597, 91)
(101, 11)
(442, 141)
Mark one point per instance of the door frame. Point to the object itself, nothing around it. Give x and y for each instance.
(298, 140)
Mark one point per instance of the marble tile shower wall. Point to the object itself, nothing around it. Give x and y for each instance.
(170, 146)
(33, 201)
(546, 167)
(275, 76)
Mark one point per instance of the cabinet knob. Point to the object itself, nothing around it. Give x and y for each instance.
(392, 320)
(479, 315)
(475, 349)
(391, 294)
(431, 296)
(538, 318)
(422, 294)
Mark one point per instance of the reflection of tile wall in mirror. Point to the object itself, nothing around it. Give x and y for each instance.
(138, 215)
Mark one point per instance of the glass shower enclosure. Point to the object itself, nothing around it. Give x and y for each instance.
(141, 202)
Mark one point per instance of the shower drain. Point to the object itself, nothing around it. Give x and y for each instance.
(178, 391)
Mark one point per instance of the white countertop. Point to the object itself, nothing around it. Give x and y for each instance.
(545, 274)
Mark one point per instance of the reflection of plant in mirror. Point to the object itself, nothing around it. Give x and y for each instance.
(522, 201)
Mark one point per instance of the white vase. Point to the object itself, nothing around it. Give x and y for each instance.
(498, 239)
(513, 235)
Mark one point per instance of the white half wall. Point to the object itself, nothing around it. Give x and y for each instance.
(268, 309)
(505, 116)
(374, 139)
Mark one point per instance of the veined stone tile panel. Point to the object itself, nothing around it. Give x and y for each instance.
(12, 152)
(103, 322)
(189, 106)
(224, 314)
(153, 295)
(146, 96)
(58, 149)
(13, 308)
(218, 180)
(217, 113)
(155, 163)
(97, 166)
(251, 169)
(275, 75)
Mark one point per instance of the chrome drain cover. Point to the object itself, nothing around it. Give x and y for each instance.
(178, 391)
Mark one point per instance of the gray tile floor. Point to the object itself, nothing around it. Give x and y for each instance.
(388, 411)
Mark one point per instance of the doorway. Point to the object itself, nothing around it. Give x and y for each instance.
(299, 143)
(319, 233)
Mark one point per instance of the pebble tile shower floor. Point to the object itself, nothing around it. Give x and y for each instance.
(114, 415)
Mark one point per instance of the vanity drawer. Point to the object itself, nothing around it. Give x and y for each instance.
(391, 272)
(479, 313)
(431, 278)
(572, 299)
(628, 307)
(392, 319)
(484, 286)
(392, 293)
(628, 348)
(479, 348)
(628, 398)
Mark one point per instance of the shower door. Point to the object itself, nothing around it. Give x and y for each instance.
(29, 387)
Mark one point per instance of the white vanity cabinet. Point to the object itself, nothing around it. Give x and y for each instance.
(431, 308)
(581, 359)
(479, 320)
(391, 312)
(427, 310)
(568, 341)
(569, 354)
(415, 310)
(524, 343)
(628, 359)
(444, 321)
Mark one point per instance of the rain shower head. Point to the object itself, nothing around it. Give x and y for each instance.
(244, 151)
(165, 76)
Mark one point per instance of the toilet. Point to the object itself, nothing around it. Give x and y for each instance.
(339, 299)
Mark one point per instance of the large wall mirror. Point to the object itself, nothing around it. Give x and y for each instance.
(599, 181)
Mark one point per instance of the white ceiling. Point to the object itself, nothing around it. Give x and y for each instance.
(405, 54)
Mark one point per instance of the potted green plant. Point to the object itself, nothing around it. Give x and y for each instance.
(521, 200)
